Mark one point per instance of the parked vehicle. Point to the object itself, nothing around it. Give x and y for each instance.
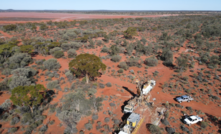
(184, 98)
(189, 120)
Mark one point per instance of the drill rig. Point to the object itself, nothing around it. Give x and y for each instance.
(143, 88)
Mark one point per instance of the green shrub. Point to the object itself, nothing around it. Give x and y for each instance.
(116, 58)
(58, 54)
(155, 129)
(120, 71)
(51, 64)
(88, 126)
(203, 124)
(108, 84)
(123, 65)
(152, 61)
(72, 53)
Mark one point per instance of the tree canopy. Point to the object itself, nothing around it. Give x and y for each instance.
(86, 64)
(26, 48)
(130, 32)
(27, 95)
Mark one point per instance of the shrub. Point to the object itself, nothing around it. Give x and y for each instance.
(108, 84)
(134, 61)
(165, 122)
(27, 72)
(43, 128)
(75, 45)
(39, 62)
(154, 129)
(170, 130)
(53, 84)
(183, 128)
(116, 58)
(10, 27)
(51, 64)
(204, 124)
(15, 120)
(72, 53)
(130, 32)
(105, 49)
(123, 65)
(66, 46)
(88, 126)
(12, 130)
(152, 61)
(19, 81)
(101, 85)
(6, 71)
(95, 117)
(6, 105)
(19, 60)
(107, 119)
(58, 54)
(69, 75)
(120, 71)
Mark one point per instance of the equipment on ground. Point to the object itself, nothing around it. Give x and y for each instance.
(131, 123)
(143, 89)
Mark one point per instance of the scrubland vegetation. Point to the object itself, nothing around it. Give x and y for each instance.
(101, 57)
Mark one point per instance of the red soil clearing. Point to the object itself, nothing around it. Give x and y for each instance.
(67, 16)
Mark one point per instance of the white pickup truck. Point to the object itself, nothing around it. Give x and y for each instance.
(184, 98)
(189, 120)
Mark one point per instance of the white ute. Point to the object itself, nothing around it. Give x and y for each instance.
(189, 120)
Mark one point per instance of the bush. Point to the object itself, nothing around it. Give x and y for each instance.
(19, 81)
(120, 71)
(58, 54)
(95, 117)
(12, 130)
(123, 65)
(6, 105)
(101, 85)
(14, 120)
(107, 119)
(53, 50)
(51, 64)
(105, 49)
(88, 126)
(165, 122)
(170, 130)
(116, 58)
(53, 84)
(134, 62)
(19, 60)
(10, 27)
(39, 62)
(152, 61)
(66, 46)
(108, 84)
(75, 105)
(75, 45)
(183, 128)
(26, 72)
(43, 128)
(72, 53)
(6, 71)
(154, 129)
(204, 124)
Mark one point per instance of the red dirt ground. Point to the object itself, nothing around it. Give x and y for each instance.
(65, 16)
